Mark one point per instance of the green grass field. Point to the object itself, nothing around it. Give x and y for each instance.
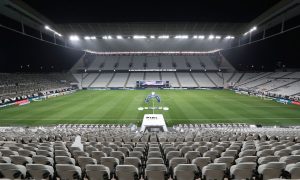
(120, 106)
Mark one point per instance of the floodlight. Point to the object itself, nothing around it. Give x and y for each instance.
(229, 37)
(87, 38)
(47, 27)
(119, 37)
(164, 37)
(74, 38)
(93, 37)
(139, 37)
(58, 34)
(106, 37)
(218, 37)
(195, 37)
(201, 37)
(181, 37)
(152, 37)
(211, 37)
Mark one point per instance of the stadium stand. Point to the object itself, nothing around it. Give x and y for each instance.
(208, 151)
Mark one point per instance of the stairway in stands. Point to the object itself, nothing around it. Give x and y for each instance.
(110, 80)
(178, 80)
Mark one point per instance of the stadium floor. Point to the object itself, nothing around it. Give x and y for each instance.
(120, 106)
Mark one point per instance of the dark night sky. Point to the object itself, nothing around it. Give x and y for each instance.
(67, 11)
(17, 50)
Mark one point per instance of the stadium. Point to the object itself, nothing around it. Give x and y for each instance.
(98, 90)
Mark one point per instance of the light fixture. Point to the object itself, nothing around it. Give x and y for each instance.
(119, 37)
(211, 37)
(164, 37)
(254, 28)
(49, 29)
(87, 38)
(229, 37)
(152, 37)
(181, 37)
(139, 37)
(106, 37)
(218, 37)
(201, 37)
(93, 37)
(74, 38)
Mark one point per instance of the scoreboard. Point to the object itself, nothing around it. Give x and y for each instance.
(152, 83)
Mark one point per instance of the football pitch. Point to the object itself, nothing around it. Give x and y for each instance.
(121, 107)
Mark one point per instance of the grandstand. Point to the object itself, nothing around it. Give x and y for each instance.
(94, 90)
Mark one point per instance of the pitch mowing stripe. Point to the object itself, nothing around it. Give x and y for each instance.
(225, 119)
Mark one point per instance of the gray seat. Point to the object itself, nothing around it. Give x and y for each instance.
(212, 154)
(83, 161)
(119, 155)
(64, 160)
(186, 172)
(7, 152)
(127, 172)
(155, 161)
(68, 171)
(110, 162)
(227, 160)
(44, 153)
(26, 153)
(98, 155)
(190, 155)
(271, 170)
(40, 171)
(214, 171)
(97, 172)
(156, 172)
(134, 161)
(20, 160)
(249, 152)
(246, 159)
(38, 159)
(267, 159)
(200, 162)
(293, 170)
(12, 171)
(243, 170)
(154, 154)
(62, 153)
(290, 159)
(5, 159)
(174, 162)
(172, 154)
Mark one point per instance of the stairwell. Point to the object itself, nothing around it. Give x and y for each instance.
(194, 79)
(230, 78)
(238, 81)
(178, 80)
(94, 80)
(144, 76)
(110, 80)
(160, 77)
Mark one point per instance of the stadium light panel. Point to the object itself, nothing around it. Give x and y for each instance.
(93, 37)
(74, 38)
(47, 27)
(152, 37)
(195, 37)
(87, 38)
(106, 37)
(181, 37)
(164, 37)
(119, 37)
(218, 37)
(139, 37)
(201, 37)
(211, 37)
(229, 37)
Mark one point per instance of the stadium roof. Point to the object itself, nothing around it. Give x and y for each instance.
(129, 17)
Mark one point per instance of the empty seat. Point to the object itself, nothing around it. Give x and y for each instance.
(271, 170)
(44, 153)
(110, 162)
(267, 159)
(190, 155)
(64, 160)
(134, 161)
(243, 170)
(172, 154)
(83, 161)
(98, 155)
(68, 171)
(154, 154)
(266, 152)
(282, 152)
(156, 172)
(119, 155)
(12, 171)
(137, 154)
(5, 159)
(212, 154)
(174, 162)
(246, 159)
(290, 159)
(200, 162)
(27, 153)
(7, 152)
(155, 161)
(127, 172)
(97, 172)
(38, 159)
(247, 153)
(20, 160)
(40, 171)
(293, 170)
(231, 153)
(186, 172)
(227, 160)
(214, 171)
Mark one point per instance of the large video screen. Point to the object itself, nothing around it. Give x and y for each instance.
(152, 83)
